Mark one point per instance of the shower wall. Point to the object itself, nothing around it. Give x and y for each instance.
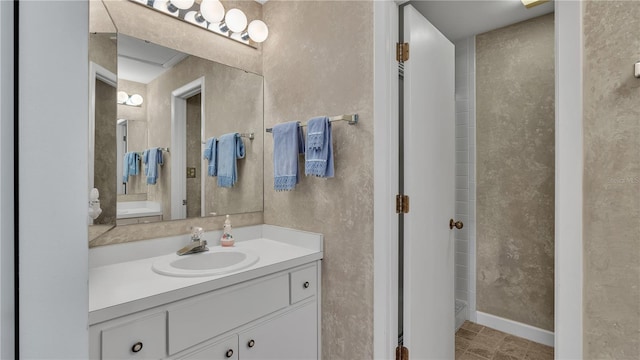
(465, 246)
(515, 171)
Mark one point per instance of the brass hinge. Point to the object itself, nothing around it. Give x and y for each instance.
(402, 52)
(402, 204)
(402, 353)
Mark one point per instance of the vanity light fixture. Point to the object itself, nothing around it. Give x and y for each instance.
(210, 14)
(531, 3)
(131, 100)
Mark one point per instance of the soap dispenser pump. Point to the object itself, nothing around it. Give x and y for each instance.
(227, 237)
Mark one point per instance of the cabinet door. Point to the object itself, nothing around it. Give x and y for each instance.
(144, 338)
(226, 349)
(293, 335)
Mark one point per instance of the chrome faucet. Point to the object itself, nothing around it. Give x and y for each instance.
(197, 244)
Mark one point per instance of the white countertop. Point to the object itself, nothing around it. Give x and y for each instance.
(123, 288)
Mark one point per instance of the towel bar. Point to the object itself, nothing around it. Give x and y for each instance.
(249, 136)
(352, 119)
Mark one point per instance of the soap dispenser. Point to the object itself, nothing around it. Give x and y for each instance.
(227, 237)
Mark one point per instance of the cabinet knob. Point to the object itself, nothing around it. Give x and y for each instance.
(306, 285)
(229, 353)
(251, 343)
(136, 347)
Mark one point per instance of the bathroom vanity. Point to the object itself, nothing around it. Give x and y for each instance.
(268, 310)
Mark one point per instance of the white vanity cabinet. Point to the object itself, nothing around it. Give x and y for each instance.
(270, 317)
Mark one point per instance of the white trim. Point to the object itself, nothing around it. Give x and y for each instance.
(568, 185)
(515, 328)
(179, 143)
(385, 224)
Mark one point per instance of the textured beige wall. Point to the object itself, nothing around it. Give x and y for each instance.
(319, 61)
(99, 20)
(515, 172)
(611, 180)
(104, 172)
(103, 51)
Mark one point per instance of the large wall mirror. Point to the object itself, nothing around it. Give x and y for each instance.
(164, 109)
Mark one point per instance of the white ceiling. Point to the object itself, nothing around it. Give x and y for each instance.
(460, 19)
(142, 61)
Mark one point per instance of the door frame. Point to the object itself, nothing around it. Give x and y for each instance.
(179, 98)
(569, 172)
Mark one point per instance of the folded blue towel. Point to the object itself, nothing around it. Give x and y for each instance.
(130, 165)
(152, 158)
(230, 148)
(315, 133)
(288, 142)
(319, 159)
(210, 153)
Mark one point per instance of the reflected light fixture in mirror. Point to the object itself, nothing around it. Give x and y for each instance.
(131, 100)
(210, 14)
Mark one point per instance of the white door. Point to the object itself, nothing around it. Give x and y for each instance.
(429, 178)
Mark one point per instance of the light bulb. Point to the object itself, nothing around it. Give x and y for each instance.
(122, 97)
(236, 20)
(212, 10)
(182, 4)
(258, 31)
(192, 17)
(135, 100)
(163, 5)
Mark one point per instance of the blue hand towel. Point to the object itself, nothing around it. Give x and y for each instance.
(315, 133)
(319, 159)
(288, 142)
(152, 158)
(210, 153)
(130, 165)
(230, 148)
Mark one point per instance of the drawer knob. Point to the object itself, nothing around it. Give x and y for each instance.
(229, 353)
(306, 285)
(251, 343)
(136, 347)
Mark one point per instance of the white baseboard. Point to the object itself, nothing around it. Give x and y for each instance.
(515, 328)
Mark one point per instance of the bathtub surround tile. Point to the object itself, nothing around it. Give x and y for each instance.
(611, 216)
(515, 172)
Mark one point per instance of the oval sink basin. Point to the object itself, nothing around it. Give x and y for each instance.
(216, 261)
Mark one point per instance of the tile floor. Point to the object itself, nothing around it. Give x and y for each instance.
(477, 342)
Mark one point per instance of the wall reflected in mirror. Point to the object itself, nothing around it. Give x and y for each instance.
(225, 100)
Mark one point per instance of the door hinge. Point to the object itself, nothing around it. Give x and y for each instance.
(402, 353)
(402, 52)
(402, 204)
(184, 202)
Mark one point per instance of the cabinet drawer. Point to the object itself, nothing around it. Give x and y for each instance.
(226, 349)
(142, 339)
(207, 316)
(303, 283)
